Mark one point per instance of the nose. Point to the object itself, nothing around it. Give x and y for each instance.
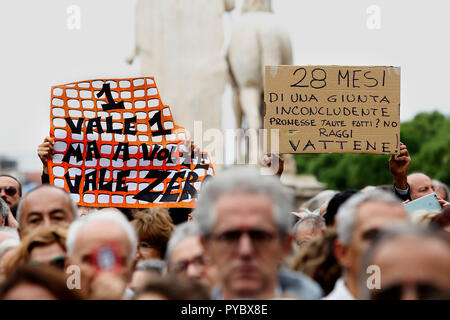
(245, 245)
(47, 222)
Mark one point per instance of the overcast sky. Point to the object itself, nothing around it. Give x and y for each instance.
(38, 51)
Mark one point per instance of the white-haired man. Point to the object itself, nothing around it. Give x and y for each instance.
(359, 219)
(245, 222)
(103, 245)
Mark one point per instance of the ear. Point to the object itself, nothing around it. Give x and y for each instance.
(287, 244)
(205, 244)
(341, 253)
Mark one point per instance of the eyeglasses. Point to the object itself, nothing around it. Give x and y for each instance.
(424, 291)
(259, 238)
(182, 266)
(9, 190)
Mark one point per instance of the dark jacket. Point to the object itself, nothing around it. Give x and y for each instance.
(403, 197)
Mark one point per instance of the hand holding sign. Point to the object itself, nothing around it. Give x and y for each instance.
(399, 164)
(45, 152)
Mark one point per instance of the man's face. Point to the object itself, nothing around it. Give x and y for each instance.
(413, 268)
(371, 218)
(420, 185)
(92, 237)
(45, 207)
(188, 259)
(9, 191)
(246, 246)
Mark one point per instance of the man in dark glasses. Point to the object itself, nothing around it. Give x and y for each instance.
(245, 222)
(414, 264)
(10, 191)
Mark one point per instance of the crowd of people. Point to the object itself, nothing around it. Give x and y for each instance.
(243, 240)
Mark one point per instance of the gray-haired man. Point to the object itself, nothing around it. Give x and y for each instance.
(245, 223)
(359, 219)
(185, 255)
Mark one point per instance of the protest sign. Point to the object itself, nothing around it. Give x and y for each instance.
(116, 144)
(332, 109)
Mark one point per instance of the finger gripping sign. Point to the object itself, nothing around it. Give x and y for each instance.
(332, 109)
(116, 145)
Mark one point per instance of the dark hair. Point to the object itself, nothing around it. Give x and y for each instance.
(335, 203)
(127, 212)
(179, 215)
(175, 287)
(43, 275)
(20, 185)
(386, 187)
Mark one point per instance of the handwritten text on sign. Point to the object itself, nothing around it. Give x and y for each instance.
(116, 145)
(340, 109)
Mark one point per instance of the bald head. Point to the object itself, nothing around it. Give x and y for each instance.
(420, 185)
(45, 206)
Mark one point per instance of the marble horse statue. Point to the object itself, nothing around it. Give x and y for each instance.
(257, 40)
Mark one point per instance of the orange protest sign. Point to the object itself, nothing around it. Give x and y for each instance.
(116, 144)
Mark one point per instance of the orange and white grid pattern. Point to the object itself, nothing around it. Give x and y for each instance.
(154, 131)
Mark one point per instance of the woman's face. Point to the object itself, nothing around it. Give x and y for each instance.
(148, 251)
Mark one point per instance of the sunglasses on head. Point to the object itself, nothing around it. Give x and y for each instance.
(9, 190)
